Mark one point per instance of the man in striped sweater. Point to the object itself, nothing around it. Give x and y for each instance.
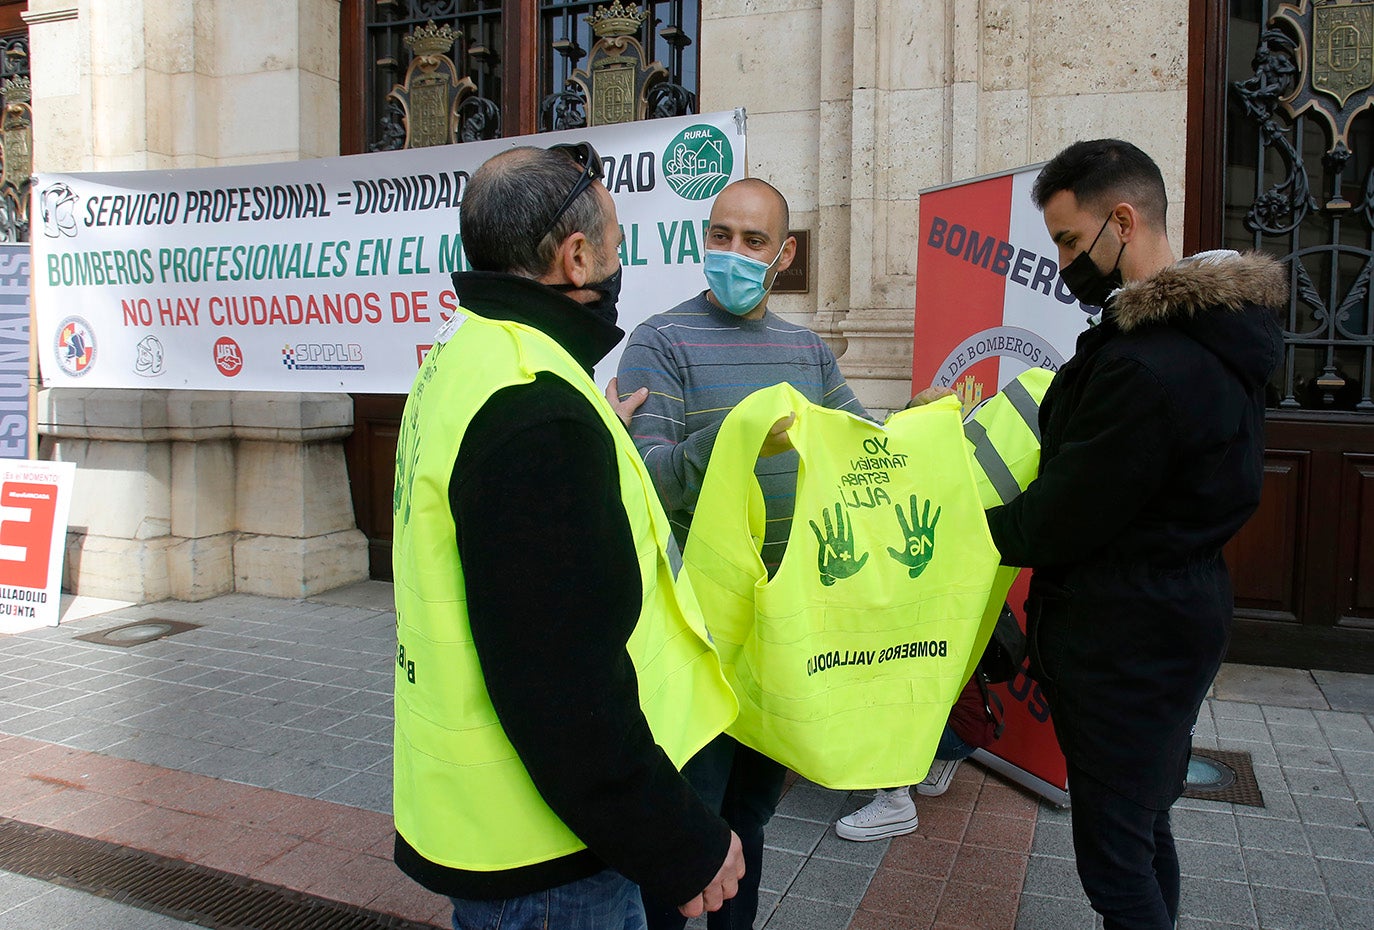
(698, 360)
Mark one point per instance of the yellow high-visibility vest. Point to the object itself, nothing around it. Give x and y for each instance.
(847, 661)
(1004, 435)
(462, 798)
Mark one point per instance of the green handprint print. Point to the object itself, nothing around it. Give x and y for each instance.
(920, 539)
(835, 556)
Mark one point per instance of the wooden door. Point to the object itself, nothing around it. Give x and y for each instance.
(1279, 163)
(371, 456)
(1303, 567)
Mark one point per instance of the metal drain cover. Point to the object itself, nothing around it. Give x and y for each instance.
(182, 890)
(138, 632)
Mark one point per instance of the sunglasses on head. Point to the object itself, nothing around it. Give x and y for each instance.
(586, 156)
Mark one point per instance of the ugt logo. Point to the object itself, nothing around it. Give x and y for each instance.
(698, 162)
(228, 357)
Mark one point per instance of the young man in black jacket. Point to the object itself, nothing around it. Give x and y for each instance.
(531, 548)
(1152, 458)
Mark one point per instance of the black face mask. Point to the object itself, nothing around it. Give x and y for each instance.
(1086, 281)
(608, 294)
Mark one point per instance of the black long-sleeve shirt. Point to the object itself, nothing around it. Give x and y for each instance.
(552, 583)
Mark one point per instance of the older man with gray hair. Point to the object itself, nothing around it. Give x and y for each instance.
(548, 681)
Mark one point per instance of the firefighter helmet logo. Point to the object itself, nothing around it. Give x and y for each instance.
(148, 361)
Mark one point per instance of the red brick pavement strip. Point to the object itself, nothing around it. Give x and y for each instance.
(331, 850)
(962, 870)
(964, 866)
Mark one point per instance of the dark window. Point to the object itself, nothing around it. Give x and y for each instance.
(16, 135)
(517, 55)
(1286, 193)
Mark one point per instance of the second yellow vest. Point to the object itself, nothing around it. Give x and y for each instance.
(847, 661)
(1004, 438)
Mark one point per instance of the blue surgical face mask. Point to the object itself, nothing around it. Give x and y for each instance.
(736, 280)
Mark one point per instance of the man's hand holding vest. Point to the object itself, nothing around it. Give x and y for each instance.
(929, 395)
(723, 886)
(777, 439)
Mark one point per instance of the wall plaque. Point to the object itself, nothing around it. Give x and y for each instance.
(797, 279)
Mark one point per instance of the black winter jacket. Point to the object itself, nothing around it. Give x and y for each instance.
(1152, 458)
(552, 583)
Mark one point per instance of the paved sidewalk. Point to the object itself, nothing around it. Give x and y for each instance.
(259, 744)
(1304, 861)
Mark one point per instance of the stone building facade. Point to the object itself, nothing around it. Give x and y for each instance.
(191, 494)
(854, 107)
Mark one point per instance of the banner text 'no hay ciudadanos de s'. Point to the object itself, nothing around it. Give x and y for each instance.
(329, 274)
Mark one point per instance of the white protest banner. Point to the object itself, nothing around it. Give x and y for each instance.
(35, 498)
(331, 274)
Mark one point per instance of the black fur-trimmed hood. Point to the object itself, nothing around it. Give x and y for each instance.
(1224, 300)
(1206, 282)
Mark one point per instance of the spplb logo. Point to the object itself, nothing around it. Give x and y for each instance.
(228, 357)
(75, 346)
(698, 162)
(316, 356)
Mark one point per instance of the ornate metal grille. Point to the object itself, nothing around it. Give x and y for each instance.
(1300, 184)
(484, 55)
(566, 39)
(479, 55)
(16, 138)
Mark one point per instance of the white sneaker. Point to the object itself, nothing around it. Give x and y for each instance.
(890, 813)
(937, 781)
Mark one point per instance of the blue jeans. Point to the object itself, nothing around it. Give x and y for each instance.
(745, 787)
(951, 747)
(605, 901)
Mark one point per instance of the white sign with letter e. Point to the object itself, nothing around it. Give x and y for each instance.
(35, 498)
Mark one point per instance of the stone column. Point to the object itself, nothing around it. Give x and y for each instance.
(191, 494)
(834, 186)
(178, 493)
(60, 72)
(292, 504)
(200, 559)
(119, 528)
(903, 111)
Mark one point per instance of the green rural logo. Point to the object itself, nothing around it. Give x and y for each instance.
(698, 162)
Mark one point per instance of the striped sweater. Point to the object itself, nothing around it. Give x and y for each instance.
(698, 362)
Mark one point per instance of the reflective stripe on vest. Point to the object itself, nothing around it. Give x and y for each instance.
(985, 454)
(1005, 434)
(1019, 394)
(847, 661)
(1005, 437)
(462, 798)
